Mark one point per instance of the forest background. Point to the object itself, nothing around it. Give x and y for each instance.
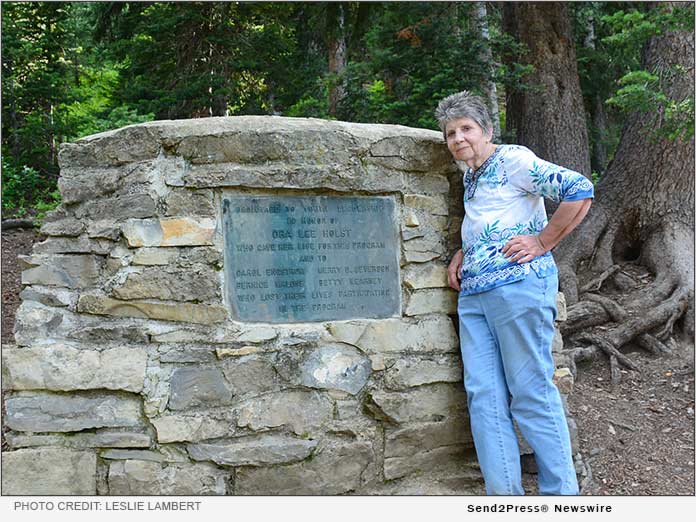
(604, 88)
(71, 69)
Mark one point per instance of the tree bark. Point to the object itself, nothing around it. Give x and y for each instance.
(491, 90)
(598, 115)
(548, 115)
(643, 211)
(337, 60)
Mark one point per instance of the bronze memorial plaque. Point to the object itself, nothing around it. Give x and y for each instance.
(311, 258)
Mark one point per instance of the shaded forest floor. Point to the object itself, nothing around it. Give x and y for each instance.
(638, 437)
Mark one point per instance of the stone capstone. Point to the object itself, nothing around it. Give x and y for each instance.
(49, 471)
(258, 450)
(112, 148)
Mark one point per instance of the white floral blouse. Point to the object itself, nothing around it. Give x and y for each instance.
(504, 198)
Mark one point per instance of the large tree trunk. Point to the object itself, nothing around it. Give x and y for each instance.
(643, 214)
(548, 115)
(597, 113)
(337, 59)
(490, 88)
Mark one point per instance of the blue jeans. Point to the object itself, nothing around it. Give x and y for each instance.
(506, 336)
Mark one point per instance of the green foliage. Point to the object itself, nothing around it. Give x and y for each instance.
(71, 69)
(413, 55)
(24, 187)
(647, 91)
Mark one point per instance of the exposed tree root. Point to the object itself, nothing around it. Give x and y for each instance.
(583, 315)
(616, 312)
(630, 325)
(596, 283)
(651, 344)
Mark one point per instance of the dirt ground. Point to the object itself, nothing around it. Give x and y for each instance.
(638, 438)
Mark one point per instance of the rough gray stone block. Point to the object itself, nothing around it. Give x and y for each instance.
(195, 386)
(41, 412)
(49, 471)
(120, 208)
(251, 374)
(396, 467)
(337, 469)
(182, 202)
(302, 411)
(409, 372)
(200, 284)
(258, 450)
(71, 271)
(102, 438)
(425, 403)
(434, 334)
(141, 477)
(183, 312)
(68, 226)
(425, 436)
(61, 367)
(337, 367)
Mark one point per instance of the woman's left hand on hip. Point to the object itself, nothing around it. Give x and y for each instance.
(523, 248)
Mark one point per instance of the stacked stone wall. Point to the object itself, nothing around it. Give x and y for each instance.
(130, 374)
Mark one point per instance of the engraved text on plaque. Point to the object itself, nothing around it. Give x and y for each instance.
(311, 258)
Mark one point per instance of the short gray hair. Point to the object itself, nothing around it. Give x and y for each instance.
(463, 105)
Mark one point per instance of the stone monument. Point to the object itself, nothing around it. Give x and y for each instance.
(245, 305)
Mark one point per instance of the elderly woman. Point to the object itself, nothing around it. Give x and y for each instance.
(507, 282)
